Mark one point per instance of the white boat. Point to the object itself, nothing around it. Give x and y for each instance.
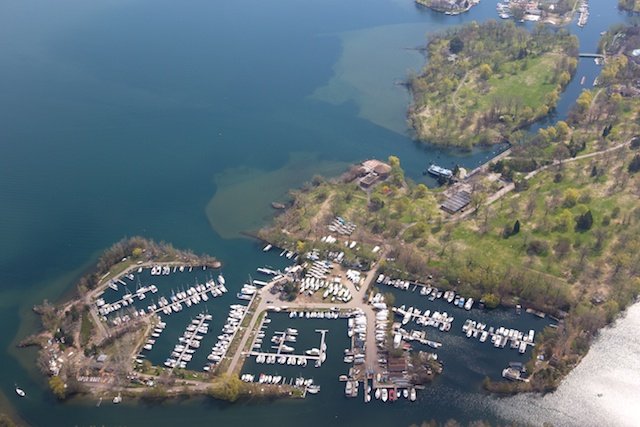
(267, 248)
(412, 395)
(20, 392)
(377, 393)
(384, 394)
(117, 399)
(313, 389)
(468, 304)
(221, 279)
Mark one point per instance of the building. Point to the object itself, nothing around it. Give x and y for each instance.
(456, 202)
(373, 171)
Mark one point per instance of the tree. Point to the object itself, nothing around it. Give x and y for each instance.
(456, 45)
(634, 166)
(516, 228)
(562, 129)
(420, 191)
(376, 203)
(491, 300)
(584, 221)
(485, 71)
(58, 387)
(397, 174)
(229, 388)
(570, 198)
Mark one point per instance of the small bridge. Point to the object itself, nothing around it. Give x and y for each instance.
(591, 55)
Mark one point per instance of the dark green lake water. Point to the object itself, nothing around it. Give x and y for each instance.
(182, 121)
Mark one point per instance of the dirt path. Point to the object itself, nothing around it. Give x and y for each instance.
(508, 188)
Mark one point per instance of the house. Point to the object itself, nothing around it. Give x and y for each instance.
(374, 171)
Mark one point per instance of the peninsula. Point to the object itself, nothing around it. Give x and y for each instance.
(547, 229)
(554, 12)
(548, 226)
(449, 7)
(485, 81)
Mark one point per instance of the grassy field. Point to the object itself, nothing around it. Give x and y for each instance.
(530, 86)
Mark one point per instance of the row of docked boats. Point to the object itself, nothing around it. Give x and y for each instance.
(314, 314)
(458, 301)
(419, 336)
(126, 300)
(219, 350)
(382, 320)
(432, 293)
(441, 321)
(155, 334)
(333, 289)
(392, 394)
(300, 382)
(342, 226)
(500, 336)
(281, 359)
(247, 292)
(319, 269)
(584, 13)
(191, 296)
(257, 343)
(163, 270)
(189, 342)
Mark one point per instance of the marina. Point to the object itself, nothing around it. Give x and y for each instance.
(231, 326)
(150, 213)
(189, 342)
(283, 352)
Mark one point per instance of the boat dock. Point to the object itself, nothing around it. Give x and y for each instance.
(282, 356)
(499, 336)
(438, 320)
(218, 352)
(419, 336)
(189, 342)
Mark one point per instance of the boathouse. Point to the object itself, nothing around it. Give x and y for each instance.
(373, 171)
(456, 202)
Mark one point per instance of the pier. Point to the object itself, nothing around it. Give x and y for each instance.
(280, 355)
(191, 342)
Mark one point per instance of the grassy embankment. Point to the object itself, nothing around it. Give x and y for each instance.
(484, 82)
(575, 250)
